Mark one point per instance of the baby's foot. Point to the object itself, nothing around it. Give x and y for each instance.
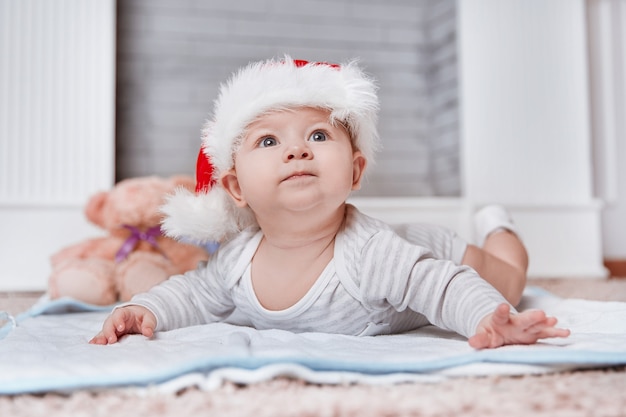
(492, 219)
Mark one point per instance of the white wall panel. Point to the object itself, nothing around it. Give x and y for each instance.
(57, 111)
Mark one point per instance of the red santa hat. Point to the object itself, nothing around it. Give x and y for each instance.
(344, 90)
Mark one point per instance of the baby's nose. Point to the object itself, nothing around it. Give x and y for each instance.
(298, 152)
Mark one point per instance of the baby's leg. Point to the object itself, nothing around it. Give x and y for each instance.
(502, 259)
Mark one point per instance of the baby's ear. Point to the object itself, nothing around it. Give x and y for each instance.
(359, 163)
(230, 183)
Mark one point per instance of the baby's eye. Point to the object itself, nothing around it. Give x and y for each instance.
(267, 142)
(318, 136)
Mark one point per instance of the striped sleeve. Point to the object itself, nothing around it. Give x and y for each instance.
(393, 272)
(187, 300)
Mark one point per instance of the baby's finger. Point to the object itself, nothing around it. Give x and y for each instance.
(553, 332)
(148, 325)
(542, 325)
(486, 340)
(479, 341)
(98, 339)
(502, 314)
(530, 319)
(122, 320)
(115, 325)
(546, 329)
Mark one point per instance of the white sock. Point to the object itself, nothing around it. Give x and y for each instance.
(492, 219)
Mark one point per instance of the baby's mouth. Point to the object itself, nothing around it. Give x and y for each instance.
(298, 175)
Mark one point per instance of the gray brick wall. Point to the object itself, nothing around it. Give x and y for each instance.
(443, 109)
(172, 54)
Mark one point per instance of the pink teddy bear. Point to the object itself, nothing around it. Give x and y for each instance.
(134, 256)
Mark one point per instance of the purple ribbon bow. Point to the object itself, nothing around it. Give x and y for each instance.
(137, 235)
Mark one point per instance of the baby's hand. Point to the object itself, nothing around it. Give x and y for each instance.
(131, 319)
(502, 328)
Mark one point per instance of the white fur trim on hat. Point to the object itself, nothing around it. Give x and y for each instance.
(204, 217)
(260, 87)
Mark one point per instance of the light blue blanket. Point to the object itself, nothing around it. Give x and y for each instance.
(46, 349)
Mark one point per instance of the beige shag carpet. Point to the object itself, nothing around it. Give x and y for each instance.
(599, 392)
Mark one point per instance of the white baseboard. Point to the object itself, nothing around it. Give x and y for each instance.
(30, 236)
(563, 241)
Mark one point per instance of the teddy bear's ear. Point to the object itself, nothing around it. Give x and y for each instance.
(185, 181)
(93, 211)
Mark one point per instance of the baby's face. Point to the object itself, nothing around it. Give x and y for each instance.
(296, 159)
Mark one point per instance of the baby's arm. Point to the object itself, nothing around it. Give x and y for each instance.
(503, 328)
(132, 319)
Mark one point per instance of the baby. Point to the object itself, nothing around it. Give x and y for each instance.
(287, 144)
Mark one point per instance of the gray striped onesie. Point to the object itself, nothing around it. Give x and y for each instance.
(376, 283)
